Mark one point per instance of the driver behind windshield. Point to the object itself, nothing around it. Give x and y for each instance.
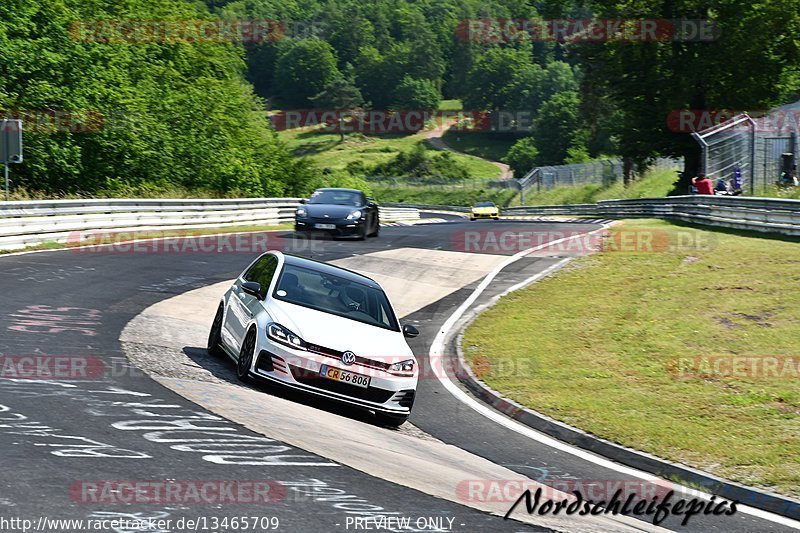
(336, 198)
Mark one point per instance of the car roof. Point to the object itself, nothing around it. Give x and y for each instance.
(330, 269)
(338, 189)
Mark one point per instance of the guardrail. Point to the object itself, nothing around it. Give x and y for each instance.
(739, 212)
(30, 223)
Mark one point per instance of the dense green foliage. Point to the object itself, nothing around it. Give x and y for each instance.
(190, 116)
(166, 114)
(752, 65)
(419, 163)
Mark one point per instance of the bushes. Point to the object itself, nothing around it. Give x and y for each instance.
(172, 116)
(419, 163)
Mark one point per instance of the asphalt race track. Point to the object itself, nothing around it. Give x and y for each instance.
(60, 438)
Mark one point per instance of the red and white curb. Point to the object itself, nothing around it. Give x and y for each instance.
(571, 220)
(415, 222)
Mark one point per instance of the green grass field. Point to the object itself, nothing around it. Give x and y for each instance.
(596, 345)
(326, 150)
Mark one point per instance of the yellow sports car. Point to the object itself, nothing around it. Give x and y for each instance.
(484, 210)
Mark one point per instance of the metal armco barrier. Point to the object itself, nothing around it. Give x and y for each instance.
(30, 223)
(739, 212)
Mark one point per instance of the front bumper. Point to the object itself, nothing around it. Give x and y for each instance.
(300, 370)
(494, 215)
(342, 228)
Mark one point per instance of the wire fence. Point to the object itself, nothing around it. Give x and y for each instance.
(444, 184)
(757, 149)
(602, 172)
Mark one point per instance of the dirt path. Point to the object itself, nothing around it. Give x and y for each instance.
(434, 139)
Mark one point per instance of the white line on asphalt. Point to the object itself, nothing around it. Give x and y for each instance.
(437, 350)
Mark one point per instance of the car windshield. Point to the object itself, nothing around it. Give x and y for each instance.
(336, 198)
(484, 204)
(335, 295)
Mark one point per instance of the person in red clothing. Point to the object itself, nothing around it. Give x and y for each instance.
(703, 185)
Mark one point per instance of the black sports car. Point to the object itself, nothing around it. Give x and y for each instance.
(338, 212)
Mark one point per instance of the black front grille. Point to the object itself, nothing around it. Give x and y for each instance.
(313, 379)
(363, 361)
(406, 398)
(264, 362)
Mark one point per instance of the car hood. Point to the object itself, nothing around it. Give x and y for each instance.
(340, 333)
(333, 211)
(484, 209)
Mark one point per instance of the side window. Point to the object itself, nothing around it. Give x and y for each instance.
(266, 274)
(362, 199)
(262, 272)
(253, 271)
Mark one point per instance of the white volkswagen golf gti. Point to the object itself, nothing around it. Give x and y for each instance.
(321, 329)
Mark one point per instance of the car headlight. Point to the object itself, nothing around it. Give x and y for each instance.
(301, 212)
(284, 336)
(354, 215)
(403, 367)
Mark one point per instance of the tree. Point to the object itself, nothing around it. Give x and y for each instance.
(416, 94)
(522, 156)
(340, 94)
(303, 71)
(489, 77)
(734, 70)
(558, 128)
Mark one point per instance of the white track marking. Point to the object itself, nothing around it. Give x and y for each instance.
(438, 348)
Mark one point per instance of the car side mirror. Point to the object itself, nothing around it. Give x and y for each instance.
(252, 288)
(410, 331)
(302, 200)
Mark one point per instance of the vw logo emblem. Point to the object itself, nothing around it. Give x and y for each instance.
(348, 358)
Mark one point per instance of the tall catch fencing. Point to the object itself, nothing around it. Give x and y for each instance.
(757, 148)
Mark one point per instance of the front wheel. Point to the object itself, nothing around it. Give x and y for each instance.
(377, 228)
(246, 356)
(388, 420)
(215, 335)
(362, 232)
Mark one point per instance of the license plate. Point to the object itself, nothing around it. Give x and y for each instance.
(345, 377)
(325, 226)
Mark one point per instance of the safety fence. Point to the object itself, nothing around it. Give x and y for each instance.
(756, 149)
(602, 172)
(31, 223)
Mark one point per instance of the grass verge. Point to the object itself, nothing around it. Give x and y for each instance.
(596, 346)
